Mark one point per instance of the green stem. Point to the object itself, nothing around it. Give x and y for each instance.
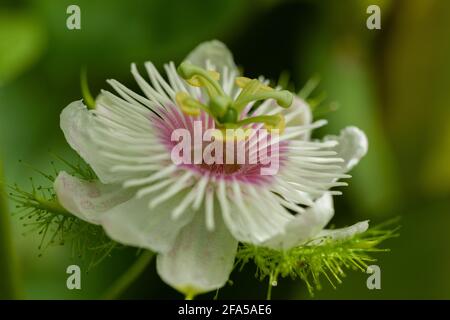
(269, 290)
(51, 206)
(9, 285)
(133, 272)
(273, 278)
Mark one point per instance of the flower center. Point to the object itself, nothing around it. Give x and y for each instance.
(215, 136)
(226, 111)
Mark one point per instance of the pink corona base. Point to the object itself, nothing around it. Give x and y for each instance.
(196, 144)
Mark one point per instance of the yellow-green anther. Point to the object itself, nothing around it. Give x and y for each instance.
(200, 76)
(249, 87)
(243, 82)
(197, 81)
(278, 123)
(270, 122)
(189, 105)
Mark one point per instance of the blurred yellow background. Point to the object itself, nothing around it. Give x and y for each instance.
(394, 83)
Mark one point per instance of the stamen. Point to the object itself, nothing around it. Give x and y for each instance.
(270, 122)
(189, 105)
(199, 76)
(255, 90)
(196, 81)
(221, 107)
(242, 82)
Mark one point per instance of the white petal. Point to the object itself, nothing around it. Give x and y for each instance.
(306, 225)
(112, 136)
(342, 233)
(76, 121)
(216, 52)
(298, 114)
(88, 200)
(134, 223)
(252, 214)
(352, 146)
(314, 167)
(200, 260)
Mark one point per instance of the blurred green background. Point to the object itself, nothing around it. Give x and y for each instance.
(393, 83)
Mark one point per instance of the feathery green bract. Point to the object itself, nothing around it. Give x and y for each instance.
(311, 263)
(41, 213)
